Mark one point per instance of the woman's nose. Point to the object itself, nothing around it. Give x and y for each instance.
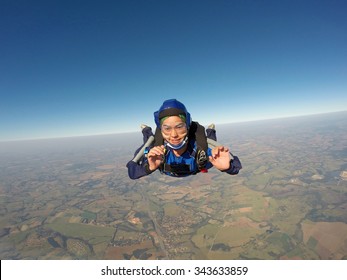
(173, 132)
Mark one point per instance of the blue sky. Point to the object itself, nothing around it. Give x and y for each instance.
(70, 68)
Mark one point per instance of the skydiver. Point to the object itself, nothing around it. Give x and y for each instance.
(180, 146)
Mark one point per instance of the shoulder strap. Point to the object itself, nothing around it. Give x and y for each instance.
(158, 137)
(197, 132)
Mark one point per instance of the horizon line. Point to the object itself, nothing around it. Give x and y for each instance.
(134, 131)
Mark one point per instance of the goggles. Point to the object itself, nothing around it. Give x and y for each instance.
(179, 128)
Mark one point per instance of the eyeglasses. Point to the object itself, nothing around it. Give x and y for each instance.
(180, 128)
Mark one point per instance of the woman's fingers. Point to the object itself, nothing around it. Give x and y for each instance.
(217, 151)
(156, 151)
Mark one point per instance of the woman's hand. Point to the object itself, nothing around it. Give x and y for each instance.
(155, 157)
(220, 158)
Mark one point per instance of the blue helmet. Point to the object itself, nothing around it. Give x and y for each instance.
(172, 107)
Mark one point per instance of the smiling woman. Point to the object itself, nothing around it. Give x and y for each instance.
(180, 147)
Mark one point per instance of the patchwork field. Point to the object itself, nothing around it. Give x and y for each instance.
(62, 200)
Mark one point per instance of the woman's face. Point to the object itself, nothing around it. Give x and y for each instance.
(174, 130)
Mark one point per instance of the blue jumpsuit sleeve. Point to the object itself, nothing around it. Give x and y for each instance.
(235, 166)
(138, 170)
